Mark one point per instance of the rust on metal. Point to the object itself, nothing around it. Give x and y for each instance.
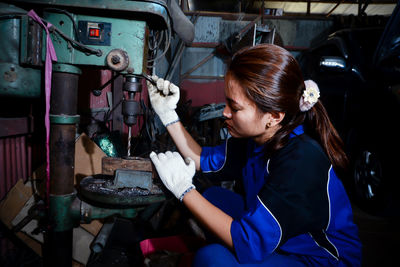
(99, 188)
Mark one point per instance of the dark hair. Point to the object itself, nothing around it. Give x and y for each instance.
(272, 78)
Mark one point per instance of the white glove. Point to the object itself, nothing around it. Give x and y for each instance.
(174, 172)
(164, 98)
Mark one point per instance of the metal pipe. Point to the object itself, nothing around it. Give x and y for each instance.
(62, 156)
(100, 241)
(198, 65)
(58, 242)
(64, 94)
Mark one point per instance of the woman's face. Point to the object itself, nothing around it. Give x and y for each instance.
(243, 119)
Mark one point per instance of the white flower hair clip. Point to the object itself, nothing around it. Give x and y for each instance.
(310, 96)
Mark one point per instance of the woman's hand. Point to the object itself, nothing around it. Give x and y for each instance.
(174, 172)
(164, 97)
(177, 177)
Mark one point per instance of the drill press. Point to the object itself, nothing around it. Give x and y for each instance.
(106, 33)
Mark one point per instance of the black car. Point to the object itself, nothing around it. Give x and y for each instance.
(358, 73)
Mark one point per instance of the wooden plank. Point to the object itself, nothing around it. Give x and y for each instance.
(93, 227)
(109, 165)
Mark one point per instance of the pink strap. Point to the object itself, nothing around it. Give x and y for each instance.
(50, 57)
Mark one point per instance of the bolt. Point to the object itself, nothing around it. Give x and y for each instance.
(96, 92)
(115, 59)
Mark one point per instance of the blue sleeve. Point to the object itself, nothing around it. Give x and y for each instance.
(226, 161)
(256, 234)
(212, 159)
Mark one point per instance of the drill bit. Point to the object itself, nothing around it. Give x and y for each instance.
(129, 140)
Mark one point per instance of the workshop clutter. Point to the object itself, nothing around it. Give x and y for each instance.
(20, 211)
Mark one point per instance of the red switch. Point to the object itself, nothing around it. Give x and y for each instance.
(94, 32)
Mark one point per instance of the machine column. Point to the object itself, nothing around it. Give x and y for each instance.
(63, 119)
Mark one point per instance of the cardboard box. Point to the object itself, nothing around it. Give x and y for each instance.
(11, 206)
(88, 158)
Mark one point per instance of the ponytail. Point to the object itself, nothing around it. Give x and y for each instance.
(319, 127)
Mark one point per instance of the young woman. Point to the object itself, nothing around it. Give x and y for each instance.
(285, 153)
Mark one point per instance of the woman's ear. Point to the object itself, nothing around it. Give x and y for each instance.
(275, 118)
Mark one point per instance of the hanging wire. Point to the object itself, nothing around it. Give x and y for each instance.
(65, 12)
(76, 44)
(166, 46)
